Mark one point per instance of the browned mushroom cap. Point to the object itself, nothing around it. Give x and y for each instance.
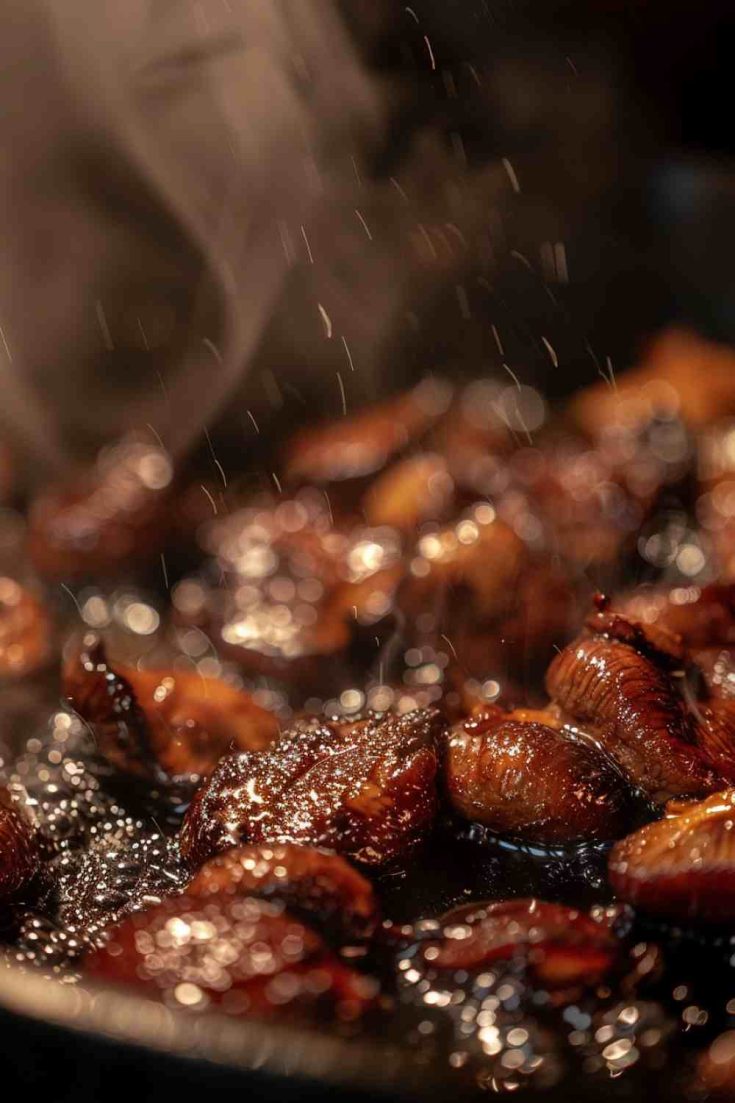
(562, 946)
(655, 641)
(309, 880)
(629, 703)
(114, 514)
(533, 782)
(681, 867)
(583, 496)
(366, 789)
(20, 853)
(25, 631)
(152, 721)
(357, 446)
(244, 955)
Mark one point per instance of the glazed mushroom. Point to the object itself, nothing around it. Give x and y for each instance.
(533, 782)
(615, 681)
(715, 734)
(681, 867)
(563, 948)
(115, 514)
(477, 557)
(360, 445)
(309, 881)
(150, 723)
(413, 491)
(366, 789)
(241, 954)
(294, 590)
(702, 617)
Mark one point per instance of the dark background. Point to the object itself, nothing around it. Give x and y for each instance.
(614, 114)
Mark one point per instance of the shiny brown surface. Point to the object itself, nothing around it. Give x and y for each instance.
(631, 706)
(115, 514)
(414, 490)
(681, 867)
(295, 588)
(20, 854)
(366, 789)
(434, 563)
(532, 782)
(314, 881)
(179, 722)
(480, 560)
(241, 954)
(361, 444)
(715, 734)
(700, 616)
(561, 946)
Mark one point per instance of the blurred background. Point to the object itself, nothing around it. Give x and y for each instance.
(211, 209)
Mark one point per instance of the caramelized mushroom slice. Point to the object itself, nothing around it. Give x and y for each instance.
(365, 789)
(114, 514)
(657, 642)
(358, 446)
(310, 881)
(151, 721)
(243, 955)
(533, 782)
(627, 700)
(25, 631)
(20, 851)
(681, 867)
(561, 946)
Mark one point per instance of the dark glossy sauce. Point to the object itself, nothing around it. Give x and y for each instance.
(113, 851)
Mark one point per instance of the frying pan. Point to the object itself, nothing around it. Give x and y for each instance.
(80, 1042)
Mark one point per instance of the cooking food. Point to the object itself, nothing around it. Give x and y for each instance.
(577, 793)
(371, 752)
(625, 694)
(560, 946)
(310, 880)
(177, 722)
(20, 855)
(243, 954)
(680, 867)
(365, 788)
